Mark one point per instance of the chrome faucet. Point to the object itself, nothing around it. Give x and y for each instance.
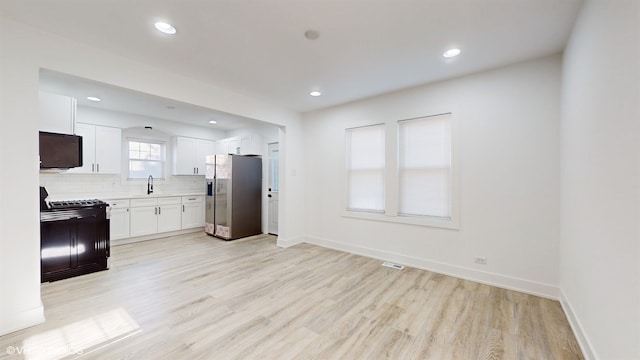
(150, 185)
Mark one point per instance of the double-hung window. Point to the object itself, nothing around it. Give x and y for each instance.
(415, 185)
(146, 157)
(424, 165)
(365, 168)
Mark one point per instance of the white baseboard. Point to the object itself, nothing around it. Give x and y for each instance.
(498, 280)
(581, 337)
(288, 242)
(21, 320)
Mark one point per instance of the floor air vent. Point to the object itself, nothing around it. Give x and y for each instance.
(392, 265)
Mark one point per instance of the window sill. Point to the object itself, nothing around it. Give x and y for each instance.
(452, 224)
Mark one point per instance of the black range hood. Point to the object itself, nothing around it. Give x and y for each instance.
(60, 151)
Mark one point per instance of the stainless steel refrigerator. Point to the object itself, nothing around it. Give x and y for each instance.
(234, 196)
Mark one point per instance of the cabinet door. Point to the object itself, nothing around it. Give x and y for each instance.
(108, 150)
(88, 245)
(222, 147)
(144, 220)
(203, 148)
(169, 217)
(119, 224)
(192, 215)
(184, 149)
(246, 146)
(57, 113)
(234, 146)
(251, 145)
(56, 243)
(88, 133)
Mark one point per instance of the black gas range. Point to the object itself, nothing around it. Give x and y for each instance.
(74, 237)
(66, 204)
(74, 204)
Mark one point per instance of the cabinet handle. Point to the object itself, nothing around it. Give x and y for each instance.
(182, 208)
(155, 211)
(159, 210)
(97, 167)
(93, 167)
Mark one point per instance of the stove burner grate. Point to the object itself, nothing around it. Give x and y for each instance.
(70, 204)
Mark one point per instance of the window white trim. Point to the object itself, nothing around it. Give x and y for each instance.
(392, 181)
(162, 161)
(420, 221)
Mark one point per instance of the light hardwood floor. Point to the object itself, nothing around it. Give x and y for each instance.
(196, 297)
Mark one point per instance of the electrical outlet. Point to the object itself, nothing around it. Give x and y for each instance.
(480, 260)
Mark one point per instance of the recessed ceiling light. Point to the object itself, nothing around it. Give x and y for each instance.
(311, 34)
(165, 28)
(93, 98)
(212, 122)
(315, 93)
(451, 53)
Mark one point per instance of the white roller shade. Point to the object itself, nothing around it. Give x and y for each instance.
(365, 168)
(425, 167)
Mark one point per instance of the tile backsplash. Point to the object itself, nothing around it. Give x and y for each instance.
(60, 185)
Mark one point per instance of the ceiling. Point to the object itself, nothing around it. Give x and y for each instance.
(258, 47)
(132, 102)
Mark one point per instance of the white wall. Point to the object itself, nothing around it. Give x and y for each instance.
(20, 304)
(600, 236)
(24, 51)
(508, 136)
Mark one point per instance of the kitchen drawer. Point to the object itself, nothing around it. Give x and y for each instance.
(192, 199)
(169, 200)
(118, 203)
(144, 202)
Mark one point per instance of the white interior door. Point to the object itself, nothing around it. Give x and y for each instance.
(274, 187)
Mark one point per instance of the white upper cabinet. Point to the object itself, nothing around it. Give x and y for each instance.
(240, 145)
(183, 150)
(108, 150)
(222, 146)
(189, 155)
(101, 149)
(57, 113)
(203, 148)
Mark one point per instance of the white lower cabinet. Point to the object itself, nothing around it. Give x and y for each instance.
(144, 220)
(192, 211)
(169, 216)
(118, 218)
(154, 215)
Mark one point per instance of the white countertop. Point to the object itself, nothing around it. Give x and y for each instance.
(105, 197)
